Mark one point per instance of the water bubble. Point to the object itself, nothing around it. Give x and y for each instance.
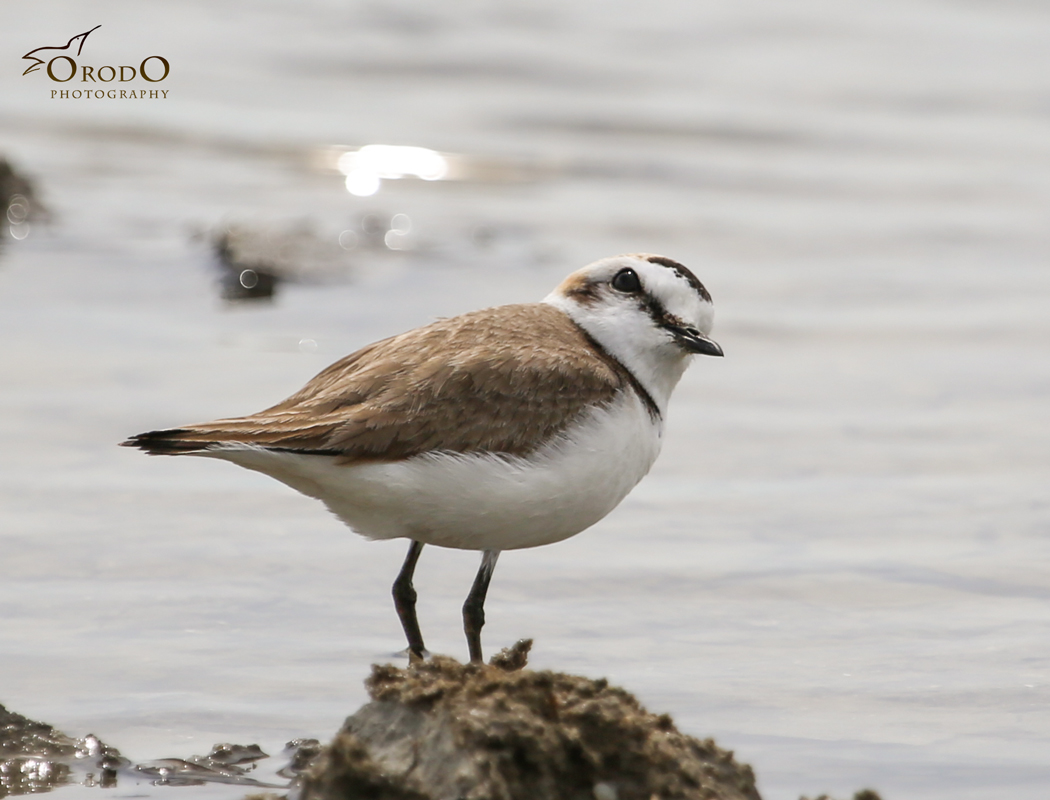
(17, 209)
(348, 240)
(249, 278)
(19, 230)
(90, 745)
(400, 223)
(307, 345)
(396, 240)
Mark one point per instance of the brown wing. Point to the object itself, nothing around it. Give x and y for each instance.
(501, 380)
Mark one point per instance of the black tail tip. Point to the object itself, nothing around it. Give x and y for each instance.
(162, 443)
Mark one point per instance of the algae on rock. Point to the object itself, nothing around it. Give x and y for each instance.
(441, 730)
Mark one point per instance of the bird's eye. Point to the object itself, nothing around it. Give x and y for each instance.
(626, 280)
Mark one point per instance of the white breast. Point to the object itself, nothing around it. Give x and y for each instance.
(482, 502)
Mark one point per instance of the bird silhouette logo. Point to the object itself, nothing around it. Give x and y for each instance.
(31, 55)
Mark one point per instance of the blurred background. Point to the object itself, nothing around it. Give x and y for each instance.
(838, 567)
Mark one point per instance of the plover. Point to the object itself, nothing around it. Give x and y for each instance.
(500, 429)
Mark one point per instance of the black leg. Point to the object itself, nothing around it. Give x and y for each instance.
(405, 602)
(474, 608)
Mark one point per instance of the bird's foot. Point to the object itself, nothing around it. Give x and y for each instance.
(414, 656)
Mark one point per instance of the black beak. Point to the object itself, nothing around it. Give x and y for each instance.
(694, 341)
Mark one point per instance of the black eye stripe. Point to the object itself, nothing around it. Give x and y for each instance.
(654, 308)
(661, 317)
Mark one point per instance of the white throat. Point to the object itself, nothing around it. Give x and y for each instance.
(630, 337)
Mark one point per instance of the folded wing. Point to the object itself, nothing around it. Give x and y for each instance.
(503, 380)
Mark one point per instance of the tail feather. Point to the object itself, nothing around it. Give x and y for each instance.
(271, 434)
(170, 442)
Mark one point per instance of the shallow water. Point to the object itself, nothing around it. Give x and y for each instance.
(838, 565)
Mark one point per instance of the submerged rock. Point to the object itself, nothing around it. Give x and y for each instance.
(226, 763)
(442, 730)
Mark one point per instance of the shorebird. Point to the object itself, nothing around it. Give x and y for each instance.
(500, 429)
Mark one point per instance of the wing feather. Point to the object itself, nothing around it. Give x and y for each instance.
(502, 380)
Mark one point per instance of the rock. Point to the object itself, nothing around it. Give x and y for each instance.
(441, 730)
(34, 757)
(21, 736)
(226, 763)
(255, 260)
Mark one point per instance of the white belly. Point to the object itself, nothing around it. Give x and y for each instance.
(481, 502)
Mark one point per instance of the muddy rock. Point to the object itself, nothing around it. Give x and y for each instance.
(441, 730)
(34, 757)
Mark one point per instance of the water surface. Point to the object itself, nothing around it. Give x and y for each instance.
(837, 568)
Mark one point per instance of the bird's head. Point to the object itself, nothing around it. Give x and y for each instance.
(649, 312)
